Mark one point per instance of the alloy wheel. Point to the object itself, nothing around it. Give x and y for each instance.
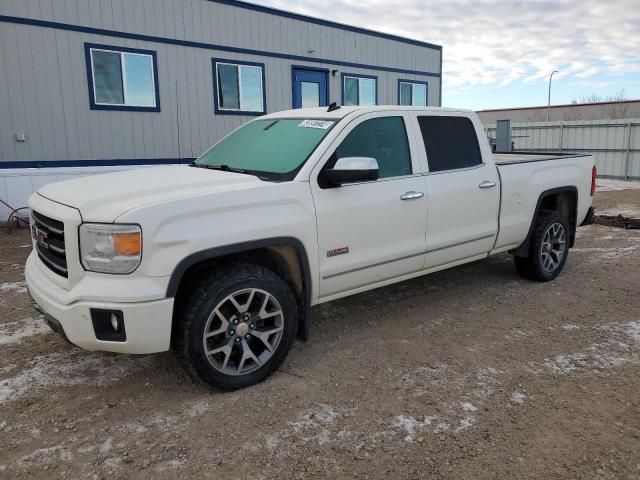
(243, 331)
(552, 249)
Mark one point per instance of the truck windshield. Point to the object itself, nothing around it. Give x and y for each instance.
(270, 149)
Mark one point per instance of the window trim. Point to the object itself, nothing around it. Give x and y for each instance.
(237, 63)
(413, 82)
(93, 105)
(345, 75)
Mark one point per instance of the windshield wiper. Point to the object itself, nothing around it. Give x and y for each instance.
(227, 168)
(223, 167)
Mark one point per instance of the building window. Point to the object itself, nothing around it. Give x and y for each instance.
(359, 89)
(122, 78)
(411, 92)
(239, 88)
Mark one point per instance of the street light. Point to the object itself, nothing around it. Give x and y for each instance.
(549, 98)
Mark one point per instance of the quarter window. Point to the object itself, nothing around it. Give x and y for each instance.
(122, 78)
(412, 93)
(359, 90)
(239, 88)
(384, 139)
(451, 142)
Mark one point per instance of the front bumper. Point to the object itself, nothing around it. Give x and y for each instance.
(148, 322)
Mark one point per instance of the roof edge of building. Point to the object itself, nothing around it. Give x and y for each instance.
(565, 105)
(327, 23)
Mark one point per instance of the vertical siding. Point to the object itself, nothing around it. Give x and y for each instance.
(615, 154)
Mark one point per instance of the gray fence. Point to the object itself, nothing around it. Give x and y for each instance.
(615, 144)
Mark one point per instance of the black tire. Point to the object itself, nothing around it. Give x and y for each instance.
(534, 266)
(206, 294)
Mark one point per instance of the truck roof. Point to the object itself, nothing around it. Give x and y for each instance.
(321, 112)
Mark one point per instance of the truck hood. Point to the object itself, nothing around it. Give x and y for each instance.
(104, 197)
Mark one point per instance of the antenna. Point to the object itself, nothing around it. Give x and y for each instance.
(334, 106)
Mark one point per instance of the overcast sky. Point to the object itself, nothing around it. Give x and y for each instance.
(500, 53)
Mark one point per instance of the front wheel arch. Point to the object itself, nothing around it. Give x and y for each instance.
(270, 252)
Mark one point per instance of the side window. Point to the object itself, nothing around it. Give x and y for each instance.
(239, 88)
(384, 139)
(451, 143)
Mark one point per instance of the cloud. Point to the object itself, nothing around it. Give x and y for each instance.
(498, 42)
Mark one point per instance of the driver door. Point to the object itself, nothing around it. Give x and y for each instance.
(373, 231)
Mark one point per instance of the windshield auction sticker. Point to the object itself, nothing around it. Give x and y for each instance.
(322, 124)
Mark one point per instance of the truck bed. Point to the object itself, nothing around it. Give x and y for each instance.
(526, 157)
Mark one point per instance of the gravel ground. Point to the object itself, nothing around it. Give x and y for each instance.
(470, 373)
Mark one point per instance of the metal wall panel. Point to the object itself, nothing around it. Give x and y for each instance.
(44, 83)
(615, 144)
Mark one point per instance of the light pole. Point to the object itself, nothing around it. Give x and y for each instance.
(549, 97)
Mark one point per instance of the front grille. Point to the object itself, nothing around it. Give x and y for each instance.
(49, 239)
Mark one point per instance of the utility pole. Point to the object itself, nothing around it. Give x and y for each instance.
(549, 97)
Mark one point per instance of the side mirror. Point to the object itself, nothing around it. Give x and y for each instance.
(351, 170)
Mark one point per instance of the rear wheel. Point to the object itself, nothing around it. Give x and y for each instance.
(236, 327)
(549, 247)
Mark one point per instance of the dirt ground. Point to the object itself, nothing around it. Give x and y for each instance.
(470, 373)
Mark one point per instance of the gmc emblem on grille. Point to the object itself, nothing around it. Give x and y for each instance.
(40, 236)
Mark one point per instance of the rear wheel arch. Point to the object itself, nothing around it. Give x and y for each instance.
(285, 256)
(560, 199)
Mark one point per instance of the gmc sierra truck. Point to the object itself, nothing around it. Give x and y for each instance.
(222, 261)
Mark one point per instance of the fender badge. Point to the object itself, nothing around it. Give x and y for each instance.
(337, 251)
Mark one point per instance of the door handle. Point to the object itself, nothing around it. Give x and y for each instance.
(487, 184)
(411, 195)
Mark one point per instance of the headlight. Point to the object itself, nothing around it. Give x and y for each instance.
(108, 248)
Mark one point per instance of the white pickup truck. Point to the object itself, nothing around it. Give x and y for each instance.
(222, 261)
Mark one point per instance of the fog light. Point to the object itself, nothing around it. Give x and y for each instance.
(114, 322)
(108, 325)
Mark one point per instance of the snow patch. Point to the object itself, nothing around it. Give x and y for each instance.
(13, 332)
(624, 209)
(469, 407)
(42, 455)
(569, 327)
(518, 397)
(619, 348)
(17, 287)
(607, 185)
(312, 425)
(198, 409)
(609, 252)
(465, 424)
(81, 368)
(410, 425)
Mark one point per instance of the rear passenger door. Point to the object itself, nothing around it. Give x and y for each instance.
(462, 192)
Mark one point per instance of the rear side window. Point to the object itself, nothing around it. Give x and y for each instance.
(451, 143)
(384, 139)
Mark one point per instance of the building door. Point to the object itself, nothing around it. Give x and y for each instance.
(310, 88)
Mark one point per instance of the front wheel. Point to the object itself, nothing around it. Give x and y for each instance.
(236, 326)
(549, 248)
